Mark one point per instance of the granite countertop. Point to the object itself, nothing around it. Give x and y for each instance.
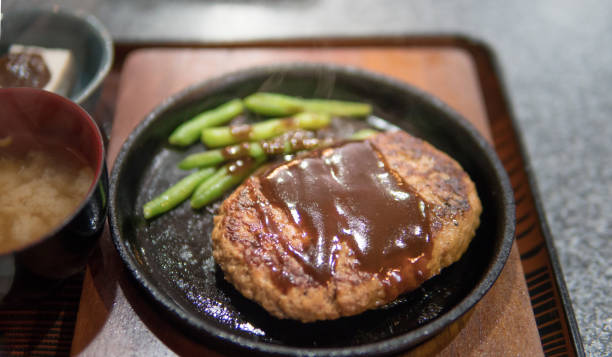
(556, 58)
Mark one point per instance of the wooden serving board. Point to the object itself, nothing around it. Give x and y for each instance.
(115, 318)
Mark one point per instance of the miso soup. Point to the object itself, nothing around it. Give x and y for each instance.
(39, 189)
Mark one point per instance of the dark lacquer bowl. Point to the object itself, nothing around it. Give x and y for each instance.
(37, 118)
(81, 33)
(170, 257)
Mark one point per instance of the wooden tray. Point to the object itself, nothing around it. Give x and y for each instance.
(151, 75)
(115, 318)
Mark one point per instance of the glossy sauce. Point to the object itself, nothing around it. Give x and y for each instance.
(236, 151)
(23, 70)
(241, 131)
(348, 195)
(288, 142)
(240, 166)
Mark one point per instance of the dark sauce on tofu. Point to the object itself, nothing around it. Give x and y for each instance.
(23, 70)
(347, 194)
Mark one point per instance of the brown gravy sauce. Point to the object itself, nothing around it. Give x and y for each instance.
(23, 70)
(240, 166)
(294, 140)
(241, 131)
(347, 194)
(236, 151)
(288, 142)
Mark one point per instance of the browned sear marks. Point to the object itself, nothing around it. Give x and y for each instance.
(346, 228)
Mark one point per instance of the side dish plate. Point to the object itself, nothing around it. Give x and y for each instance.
(170, 257)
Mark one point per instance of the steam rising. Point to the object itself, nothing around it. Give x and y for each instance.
(324, 88)
(325, 83)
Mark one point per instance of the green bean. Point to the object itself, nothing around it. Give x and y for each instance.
(209, 182)
(337, 107)
(202, 159)
(176, 194)
(363, 134)
(217, 156)
(189, 132)
(224, 179)
(224, 136)
(274, 104)
(286, 145)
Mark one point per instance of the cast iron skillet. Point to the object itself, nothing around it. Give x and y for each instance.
(170, 257)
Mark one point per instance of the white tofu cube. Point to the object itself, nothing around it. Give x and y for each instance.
(60, 63)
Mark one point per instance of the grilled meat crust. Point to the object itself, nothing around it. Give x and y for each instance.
(250, 258)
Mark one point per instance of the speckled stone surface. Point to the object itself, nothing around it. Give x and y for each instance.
(556, 56)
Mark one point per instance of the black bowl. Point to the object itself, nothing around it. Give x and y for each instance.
(170, 257)
(37, 117)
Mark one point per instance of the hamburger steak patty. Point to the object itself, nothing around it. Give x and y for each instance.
(344, 229)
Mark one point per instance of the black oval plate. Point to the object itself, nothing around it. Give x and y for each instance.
(170, 257)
